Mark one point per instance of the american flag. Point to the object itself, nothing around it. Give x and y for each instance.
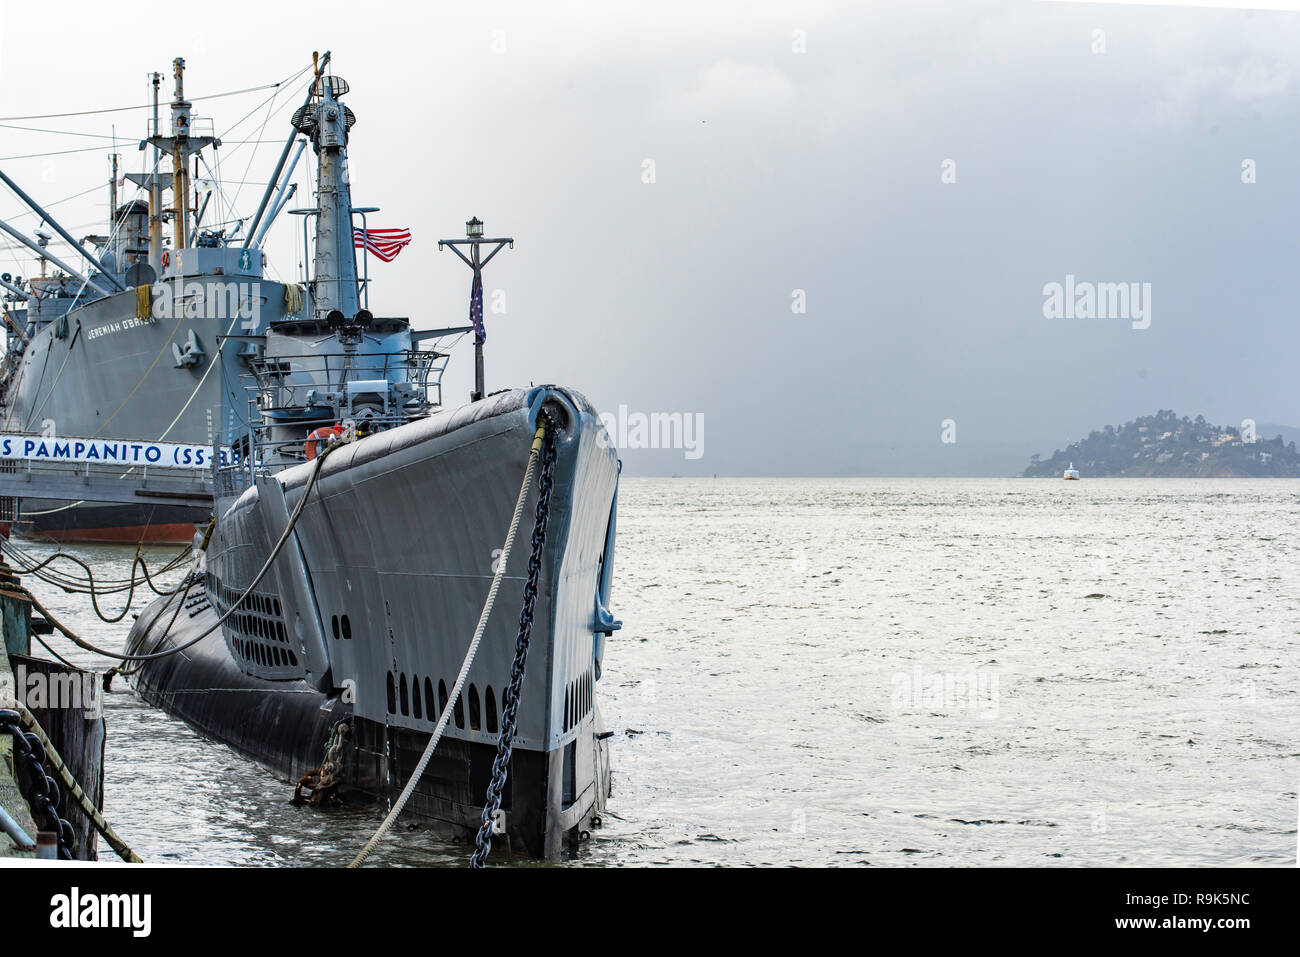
(476, 310)
(384, 243)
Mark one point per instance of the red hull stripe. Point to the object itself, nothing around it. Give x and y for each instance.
(179, 532)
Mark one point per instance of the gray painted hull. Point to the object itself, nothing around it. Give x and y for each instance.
(111, 376)
(377, 596)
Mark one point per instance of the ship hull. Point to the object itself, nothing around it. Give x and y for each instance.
(103, 373)
(391, 562)
(53, 521)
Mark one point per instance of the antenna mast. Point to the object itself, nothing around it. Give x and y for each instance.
(112, 196)
(180, 146)
(474, 232)
(155, 192)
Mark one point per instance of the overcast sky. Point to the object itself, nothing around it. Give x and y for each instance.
(796, 146)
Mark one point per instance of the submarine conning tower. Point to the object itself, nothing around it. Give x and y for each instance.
(326, 122)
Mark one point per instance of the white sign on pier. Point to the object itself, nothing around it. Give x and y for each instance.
(47, 449)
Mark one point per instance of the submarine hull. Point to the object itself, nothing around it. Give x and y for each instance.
(387, 569)
(285, 726)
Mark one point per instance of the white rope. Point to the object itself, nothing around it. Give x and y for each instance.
(464, 668)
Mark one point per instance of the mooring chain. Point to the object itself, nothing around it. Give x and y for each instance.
(535, 454)
(510, 707)
(324, 780)
(41, 792)
(43, 749)
(333, 763)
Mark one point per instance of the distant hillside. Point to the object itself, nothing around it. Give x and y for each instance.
(1163, 445)
(1289, 433)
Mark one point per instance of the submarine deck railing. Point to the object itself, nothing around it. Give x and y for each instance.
(263, 455)
(293, 382)
(24, 474)
(289, 380)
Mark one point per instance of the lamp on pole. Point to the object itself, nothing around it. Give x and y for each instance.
(476, 261)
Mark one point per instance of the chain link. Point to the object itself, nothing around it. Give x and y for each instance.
(40, 791)
(510, 706)
(323, 781)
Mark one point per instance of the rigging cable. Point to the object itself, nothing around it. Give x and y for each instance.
(220, 347)
(257, 579)
(148, 106)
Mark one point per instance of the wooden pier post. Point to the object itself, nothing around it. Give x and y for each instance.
(68, 705)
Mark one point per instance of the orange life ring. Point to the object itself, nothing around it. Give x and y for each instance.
(324, 434)
(166, 258)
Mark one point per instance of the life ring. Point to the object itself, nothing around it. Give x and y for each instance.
(324, 434)
(167, 258)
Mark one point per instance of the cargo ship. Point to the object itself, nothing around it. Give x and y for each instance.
(145, 336)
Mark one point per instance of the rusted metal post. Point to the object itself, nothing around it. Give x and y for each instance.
(15, 614)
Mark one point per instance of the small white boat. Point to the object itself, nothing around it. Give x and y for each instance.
(1071, 473)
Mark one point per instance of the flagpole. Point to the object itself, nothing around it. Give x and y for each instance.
(365, 252)
(476, 261)
(478, 338)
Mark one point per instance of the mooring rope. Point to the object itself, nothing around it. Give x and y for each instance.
(28, 564)
(18, 711)
(434, 738)
(510, 703)
(266, 567)
(94, 592)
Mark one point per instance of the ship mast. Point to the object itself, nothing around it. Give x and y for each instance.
(326, 121)
(112, 195)
(155, 192)
(180, 146)
(180, 157)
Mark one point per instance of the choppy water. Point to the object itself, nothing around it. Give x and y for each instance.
(893, 672)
